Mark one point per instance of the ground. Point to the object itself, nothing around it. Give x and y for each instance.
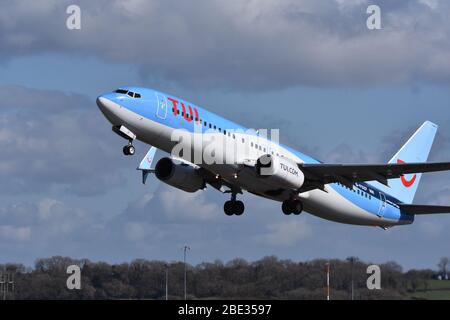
(437, 290)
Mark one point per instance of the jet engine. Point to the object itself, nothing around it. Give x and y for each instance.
(280, 172)
(181, 176)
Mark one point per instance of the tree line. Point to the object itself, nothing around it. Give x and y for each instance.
(267, 278)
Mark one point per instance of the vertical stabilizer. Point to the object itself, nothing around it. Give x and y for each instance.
(416, 149)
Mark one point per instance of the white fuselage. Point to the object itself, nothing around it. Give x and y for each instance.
(328, 204)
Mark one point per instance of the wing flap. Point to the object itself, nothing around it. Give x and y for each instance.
(423, 209)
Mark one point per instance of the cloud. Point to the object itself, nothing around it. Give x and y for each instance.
(178, 204)
(170, 216)
(343, 153)
(22, 213)
(244, 44)
(55, 141)
(135, 231)
(10, 233)
(47, 218)
(433, 4)
(44, 221)
(389, 145)
(432, 228)
(286, 233)
(174, 206)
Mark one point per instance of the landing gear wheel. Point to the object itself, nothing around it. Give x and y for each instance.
(239, 208)
(297, 207)
(129, 150)
(286, 207)
(233, 207)
(292, 206)
(228, 208)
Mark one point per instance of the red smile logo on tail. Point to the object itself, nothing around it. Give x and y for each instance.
(407, 183)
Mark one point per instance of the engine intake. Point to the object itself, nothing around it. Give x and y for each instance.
(280, 172)
(181, 176)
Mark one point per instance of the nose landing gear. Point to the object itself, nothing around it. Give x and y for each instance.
(126, 133)
(292, 206)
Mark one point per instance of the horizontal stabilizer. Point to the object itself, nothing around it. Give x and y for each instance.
(146, 165)
(423, 209)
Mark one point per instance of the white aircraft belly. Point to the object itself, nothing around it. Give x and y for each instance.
(332, 206)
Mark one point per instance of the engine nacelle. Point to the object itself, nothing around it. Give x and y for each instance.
(181, 176)
(280, 172)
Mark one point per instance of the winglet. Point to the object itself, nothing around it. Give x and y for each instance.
(146, 164)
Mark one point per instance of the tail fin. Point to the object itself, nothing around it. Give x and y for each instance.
(416, 149)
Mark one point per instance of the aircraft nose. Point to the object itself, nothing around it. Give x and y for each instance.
(103, 103)
(108, 108)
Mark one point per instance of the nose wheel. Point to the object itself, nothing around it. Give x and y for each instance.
(233, 206)
(292, 207)
(126, 133)
(129, 150)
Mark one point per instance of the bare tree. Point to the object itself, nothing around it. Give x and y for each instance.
(443, 263)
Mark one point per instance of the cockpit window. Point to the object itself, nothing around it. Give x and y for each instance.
(130, 93)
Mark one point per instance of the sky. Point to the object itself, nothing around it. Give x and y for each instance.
(337, 91)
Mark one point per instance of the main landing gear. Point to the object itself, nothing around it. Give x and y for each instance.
(292, 206)
(233, 206)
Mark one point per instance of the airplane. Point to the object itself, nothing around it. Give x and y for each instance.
(378, 195)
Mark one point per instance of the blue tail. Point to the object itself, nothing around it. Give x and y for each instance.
(416, 149)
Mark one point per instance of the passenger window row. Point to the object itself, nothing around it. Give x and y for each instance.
(183, 114)
(258, 147)
(358, 191)
(214, 127)
(205, 124)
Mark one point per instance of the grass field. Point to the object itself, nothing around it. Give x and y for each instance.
(435, 290)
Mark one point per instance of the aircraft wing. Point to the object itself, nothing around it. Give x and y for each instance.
(347, 174)
(423, 209)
